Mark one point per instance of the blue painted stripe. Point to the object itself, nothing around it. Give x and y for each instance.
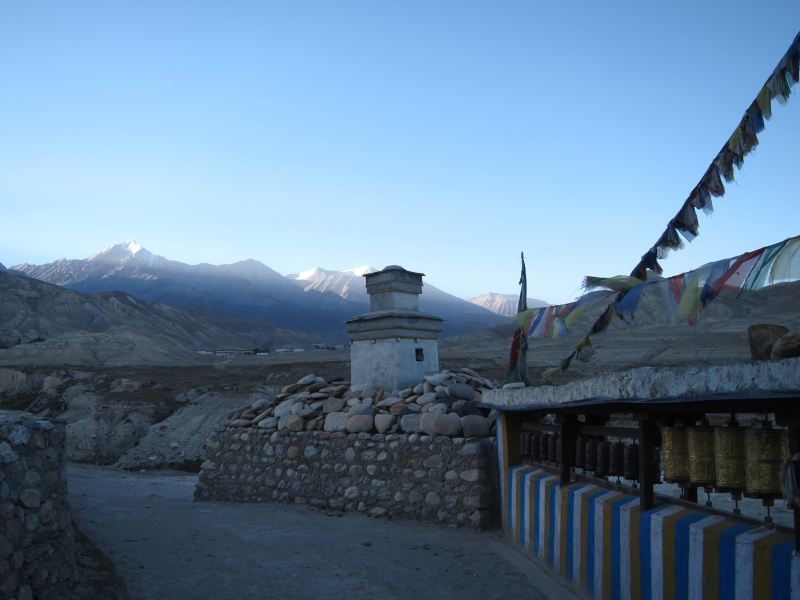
(552, 518)
(590, 541)
(570, 521)
(682, 554)
(521, 509)
(509, 503)
(644, 551)
(536, 517)
(615, 549)
(781, 570)
(727, 560)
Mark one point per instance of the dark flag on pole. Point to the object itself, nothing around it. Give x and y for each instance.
(517, 360)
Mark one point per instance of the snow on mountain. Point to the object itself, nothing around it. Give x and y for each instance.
(347, 284)
(2, 267)
(503, 304)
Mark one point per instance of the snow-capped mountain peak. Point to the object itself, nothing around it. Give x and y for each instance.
(503, 304)
(360, 271)
(117, 252)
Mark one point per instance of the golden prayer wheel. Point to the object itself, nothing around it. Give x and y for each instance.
(700, 444)
(729, 458)
(533, 446)
(543, 446)
(763, 461)
(591, 455)
(603, 458)
(552, 448)
(676, 454)
(616, 461)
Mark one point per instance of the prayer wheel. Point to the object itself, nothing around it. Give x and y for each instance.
(552, 448)
(700, 444)
(524, 446)
(729, 458)
(534, 446)
(591, 455)
(603, 451)
(676, 454)
(762, 446)
(580, 452)
(543, 446)
(616, 462)
(630, 462)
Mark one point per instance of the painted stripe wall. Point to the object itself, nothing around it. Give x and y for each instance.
(601, 542)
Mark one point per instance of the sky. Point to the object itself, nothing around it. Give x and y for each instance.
(446, 137)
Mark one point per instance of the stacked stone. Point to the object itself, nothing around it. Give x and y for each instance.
(436, 479)
(445, 403)
(37, 549)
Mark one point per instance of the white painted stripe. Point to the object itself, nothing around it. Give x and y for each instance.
(625, 548)
(528, 490)
(542, 500)
(657, 551)
(744, 562)
(577, 531)
(599, 502)
(794, 581)
(557, 532)
(696, 555)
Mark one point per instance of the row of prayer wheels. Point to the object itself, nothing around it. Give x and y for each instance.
(593, 455)
(728, 459)
(542, 446)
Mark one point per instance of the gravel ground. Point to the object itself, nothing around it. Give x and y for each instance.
(165, 546)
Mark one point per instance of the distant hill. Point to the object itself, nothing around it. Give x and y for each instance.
(47, 324)
(503, 304)
(316, 302)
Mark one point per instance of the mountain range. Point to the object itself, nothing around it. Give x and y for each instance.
(314, 302)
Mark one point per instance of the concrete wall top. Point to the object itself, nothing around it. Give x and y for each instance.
(651, 383)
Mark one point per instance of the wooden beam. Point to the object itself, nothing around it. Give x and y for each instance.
(647, 474)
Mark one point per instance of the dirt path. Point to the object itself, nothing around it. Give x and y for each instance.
(167, 547)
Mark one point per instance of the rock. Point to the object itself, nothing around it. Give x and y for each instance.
(762, 337)
(437, 378)
(336, 421)
(462, 391)
(309, 379)
(514, 386)
(398, 409)
(351, 493)
(787, 346)
(268, 423)
(426, 398)
(284, 407)
(475, 426)
(471, 475)
(241, 423)
(426, 423)
(449, 425)
(19, 436)
(390, 401)
(410, 423)
(291, 388)
(380, 395)
(419, 389)
(31, 498)
(359, 423)
(13, 383)
(7, 455)
(308, 411)
(464, 407)
(432, 499)
(384, 422)
(438, 409)
(405, 393)
(317, 396)
(441, 391)
(362, 410)
(333, 405)
(295, 423)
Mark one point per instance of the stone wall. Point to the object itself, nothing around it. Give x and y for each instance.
(436, 479)
(37, 550)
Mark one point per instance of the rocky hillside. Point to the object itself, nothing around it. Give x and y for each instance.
(47, 324)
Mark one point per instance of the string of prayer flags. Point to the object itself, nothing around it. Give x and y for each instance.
(740, 143)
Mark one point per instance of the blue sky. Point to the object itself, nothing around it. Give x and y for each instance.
(443, 136)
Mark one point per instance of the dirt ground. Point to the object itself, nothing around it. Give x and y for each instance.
(164, 545)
